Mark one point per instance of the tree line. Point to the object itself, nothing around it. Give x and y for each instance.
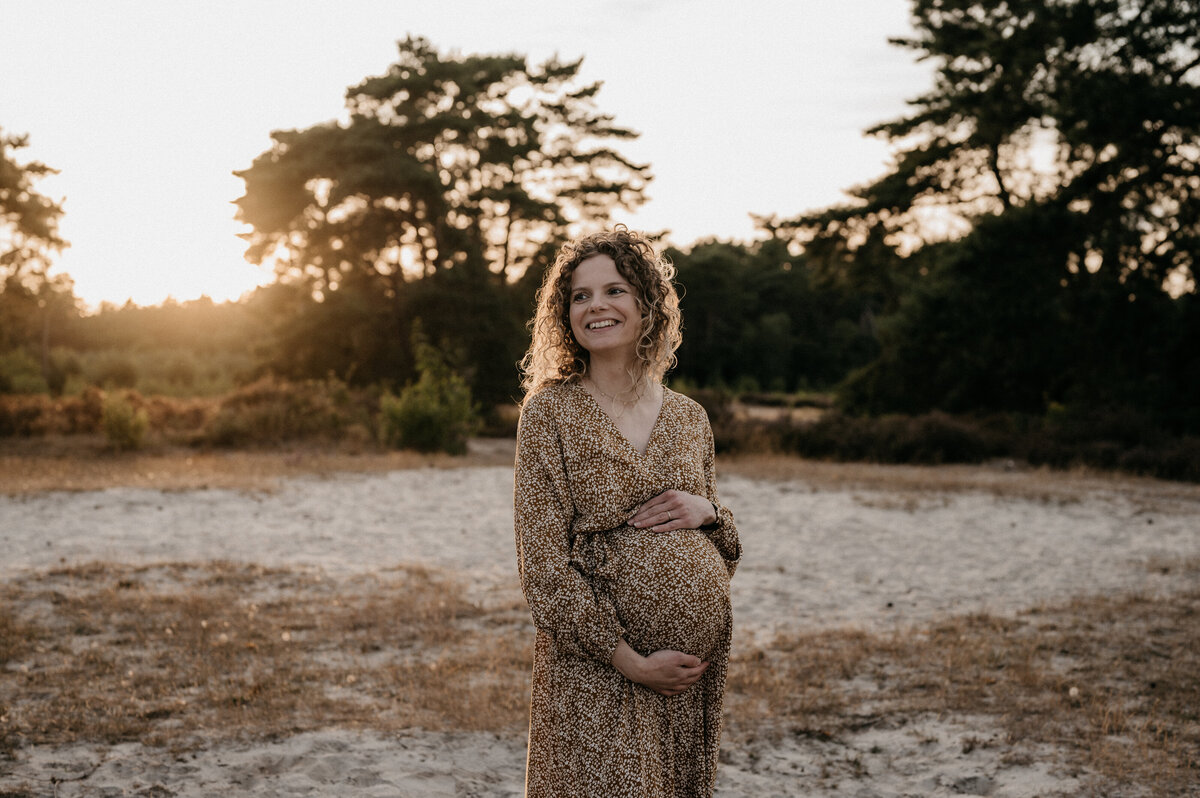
(1032, 247)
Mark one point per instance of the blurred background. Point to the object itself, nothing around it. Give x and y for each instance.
(904, 231)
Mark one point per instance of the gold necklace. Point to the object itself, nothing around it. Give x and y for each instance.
(614, 401)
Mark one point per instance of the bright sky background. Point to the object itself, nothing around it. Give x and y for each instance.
(147, 106)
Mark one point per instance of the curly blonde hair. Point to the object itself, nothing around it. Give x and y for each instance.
(555, 356)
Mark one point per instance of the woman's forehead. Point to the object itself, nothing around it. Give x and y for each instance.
(596, 270)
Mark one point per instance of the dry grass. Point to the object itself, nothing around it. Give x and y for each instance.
(172, 654)
(183, 655)
(1001, 478)
(79, 462)
(1114, 682)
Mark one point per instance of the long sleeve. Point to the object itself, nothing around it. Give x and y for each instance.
(723, 533)
(563, 603)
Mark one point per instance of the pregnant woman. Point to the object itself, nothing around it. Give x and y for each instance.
(624, 551)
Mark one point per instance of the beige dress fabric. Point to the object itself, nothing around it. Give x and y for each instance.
(591, 579)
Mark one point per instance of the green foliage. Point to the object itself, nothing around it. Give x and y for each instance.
(756, 316)
(117, 372)
(1056, 153)
(986, 330)
(434, 414)
(20, 373)
(198, 326)
(124, 425)
(160, 371)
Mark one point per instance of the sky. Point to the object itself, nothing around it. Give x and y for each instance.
(147, 107)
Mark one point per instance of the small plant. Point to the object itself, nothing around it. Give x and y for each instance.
(124, 425)
(434, 414)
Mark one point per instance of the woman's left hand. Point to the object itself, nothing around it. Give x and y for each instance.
(671, 510)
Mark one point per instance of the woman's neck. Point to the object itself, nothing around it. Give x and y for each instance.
(612, 376)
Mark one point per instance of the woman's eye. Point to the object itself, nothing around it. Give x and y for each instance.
(578, 297)
(616, 290)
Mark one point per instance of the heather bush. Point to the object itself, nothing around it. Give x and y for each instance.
(23, 416)
(83, 413)
(30, 415)
(932, 438)
(1179, 459)
(124, 425)
(179, 415)
(271, 411)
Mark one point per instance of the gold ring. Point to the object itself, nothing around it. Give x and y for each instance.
(669, 518)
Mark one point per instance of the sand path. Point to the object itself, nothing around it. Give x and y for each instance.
(816, 556)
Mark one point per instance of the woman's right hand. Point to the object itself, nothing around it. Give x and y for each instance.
(665, 672)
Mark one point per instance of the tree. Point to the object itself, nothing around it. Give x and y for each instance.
(28, 220)
(1086, 104)
(986, 331)
(757, 314)
(1083, 113)
(470, 164)
(32, 302)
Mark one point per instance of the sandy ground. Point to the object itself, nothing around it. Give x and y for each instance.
(817, 555)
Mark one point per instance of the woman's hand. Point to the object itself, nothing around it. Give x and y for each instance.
(673, 509)
(665, 672)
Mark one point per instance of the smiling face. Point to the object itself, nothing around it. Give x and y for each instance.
(606, 317)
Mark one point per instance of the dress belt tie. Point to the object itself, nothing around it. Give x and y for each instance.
(589, 551)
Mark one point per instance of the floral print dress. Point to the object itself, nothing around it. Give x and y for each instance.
(590, 580)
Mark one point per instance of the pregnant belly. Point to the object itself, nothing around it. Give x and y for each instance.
(671, 590)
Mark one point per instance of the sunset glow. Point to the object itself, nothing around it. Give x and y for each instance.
(146, 109)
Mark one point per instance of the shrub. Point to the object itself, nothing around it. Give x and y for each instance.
(117, 372)
(931, 438)
(21, 373)
(1177, 460)
(83, 413)
(179, 415)
(934, 438)
(271, 411)
(434, 414)
(24, 416)
(124, 425)
(181, 371)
